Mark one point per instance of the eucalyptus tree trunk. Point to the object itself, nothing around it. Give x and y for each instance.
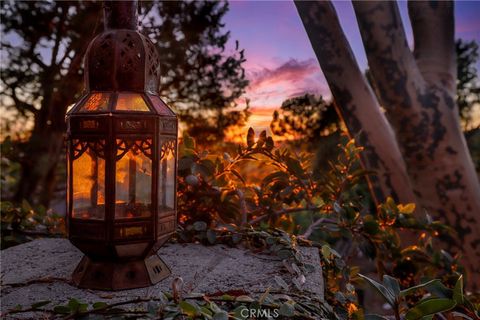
(417, 90)
(356, 103)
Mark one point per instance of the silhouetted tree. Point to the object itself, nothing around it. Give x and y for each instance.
(468, 84)
(43, 44)
(199, 78)
(305, 119)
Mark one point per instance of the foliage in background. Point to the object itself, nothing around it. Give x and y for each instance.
(468, 84)
(305, 119)
(43, 44)
(23, 223)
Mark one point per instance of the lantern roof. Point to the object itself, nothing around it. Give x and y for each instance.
(121, 58)
(122, 67)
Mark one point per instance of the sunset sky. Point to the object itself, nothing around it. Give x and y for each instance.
(280, 61)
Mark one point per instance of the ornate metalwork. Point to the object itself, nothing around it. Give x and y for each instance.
(125, 145)
(97, 147)
(167, 147)
(121, 62)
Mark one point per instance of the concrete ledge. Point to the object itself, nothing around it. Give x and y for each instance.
(205, 269)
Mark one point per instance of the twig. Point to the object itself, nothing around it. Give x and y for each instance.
(35, 281)
(312, 227)
(283, 211)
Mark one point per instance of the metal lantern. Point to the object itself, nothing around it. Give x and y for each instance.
(122, 146)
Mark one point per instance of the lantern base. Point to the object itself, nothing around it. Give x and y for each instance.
(106, 275)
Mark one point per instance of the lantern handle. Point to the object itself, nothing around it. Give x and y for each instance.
(120, 14)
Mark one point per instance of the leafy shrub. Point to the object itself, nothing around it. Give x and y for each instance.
(263, 186)
(270, 199)
(22, 223)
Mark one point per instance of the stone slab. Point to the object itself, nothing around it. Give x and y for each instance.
(205, 269)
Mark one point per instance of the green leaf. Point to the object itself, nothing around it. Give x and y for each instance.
(188, 142)
(99, 305)
(406, 209)
(429, 307)
(244, 299)
(238, 312)
(286, 310)
(188, 308)
(250, 137)
(39, 304)
(392, 284)
(295, 167)
(200, 226)
(261, 139)
(387, 294)
(211, 236)
(410, 290)
(206, 312)
(62, 310)
(269, 144)
(458, 291)
(222, 315)
(73, 304)
(371, 226)
(275, 176)
(238, 175)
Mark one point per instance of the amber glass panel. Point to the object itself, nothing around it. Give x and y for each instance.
(166, 183)
(131, 102)
(96, 102)
(133, 188)
(160, 106)
(88, 186)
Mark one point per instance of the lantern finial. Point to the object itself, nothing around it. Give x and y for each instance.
(120, 14)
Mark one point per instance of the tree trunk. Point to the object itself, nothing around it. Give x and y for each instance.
(356, 103)
(418, 92)
(45, 145)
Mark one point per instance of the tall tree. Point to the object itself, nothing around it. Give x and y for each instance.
(44, 43)
(468, 84)
(305, 118)
(417, 91)
(199, 77)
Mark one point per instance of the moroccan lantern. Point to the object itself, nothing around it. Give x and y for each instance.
(122, 147)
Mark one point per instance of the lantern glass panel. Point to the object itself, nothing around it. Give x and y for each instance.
(160, 106)
(88, 168)
(166, 183)
(96, 102)
(133, 188)
(131, 102)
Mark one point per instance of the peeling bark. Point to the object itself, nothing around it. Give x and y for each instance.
(427, 158)
(355, 102)
(418, 92)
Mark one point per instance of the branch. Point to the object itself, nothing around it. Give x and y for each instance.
(21, 105)
(434, 37)
(58, 35)
(312, 228)
(280, 212)
(391, 62)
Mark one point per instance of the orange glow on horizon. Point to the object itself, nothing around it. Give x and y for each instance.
(259, 120)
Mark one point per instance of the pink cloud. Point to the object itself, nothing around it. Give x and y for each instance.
(270, 86)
